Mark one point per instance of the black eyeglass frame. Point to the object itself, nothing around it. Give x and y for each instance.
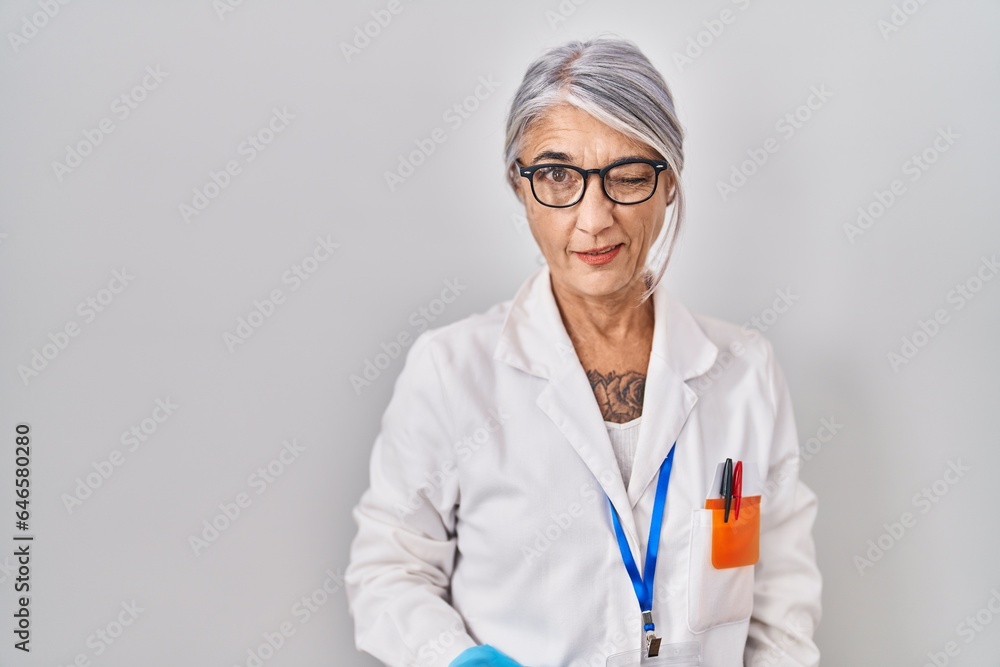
(529, 173)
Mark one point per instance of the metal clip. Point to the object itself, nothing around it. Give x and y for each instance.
(652, 645)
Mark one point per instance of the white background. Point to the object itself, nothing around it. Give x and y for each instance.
(162, 336)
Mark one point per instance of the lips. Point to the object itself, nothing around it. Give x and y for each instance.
(598, 251)
(600, 256)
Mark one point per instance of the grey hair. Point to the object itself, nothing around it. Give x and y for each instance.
(613, 81)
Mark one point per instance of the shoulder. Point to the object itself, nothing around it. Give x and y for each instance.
(468, 340)
(736, 339)
(745, 355)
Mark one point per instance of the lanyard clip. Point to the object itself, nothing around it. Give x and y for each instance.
(652, 641)
(652, 645)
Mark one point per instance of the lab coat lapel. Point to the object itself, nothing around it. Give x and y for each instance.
(680, 351)
(534, 339)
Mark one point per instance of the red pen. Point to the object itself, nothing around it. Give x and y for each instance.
(737, 487)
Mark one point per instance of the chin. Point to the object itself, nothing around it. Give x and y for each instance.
(597, 281)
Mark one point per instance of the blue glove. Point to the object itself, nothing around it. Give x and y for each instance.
(483, 656)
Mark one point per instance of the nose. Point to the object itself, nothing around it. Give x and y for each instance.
(593, 212)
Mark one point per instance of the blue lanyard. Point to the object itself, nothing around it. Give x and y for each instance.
(644, 586)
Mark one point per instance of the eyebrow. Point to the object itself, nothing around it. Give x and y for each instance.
(551, 155)
(565, 157)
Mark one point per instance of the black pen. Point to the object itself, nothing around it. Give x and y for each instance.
(727, 488)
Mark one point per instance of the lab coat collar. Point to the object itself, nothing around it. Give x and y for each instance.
(534, 339)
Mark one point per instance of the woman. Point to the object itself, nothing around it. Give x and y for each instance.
(529, 454)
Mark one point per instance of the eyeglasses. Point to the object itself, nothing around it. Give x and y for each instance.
(627, 181)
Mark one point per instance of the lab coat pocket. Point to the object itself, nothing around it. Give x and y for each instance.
(715, 596)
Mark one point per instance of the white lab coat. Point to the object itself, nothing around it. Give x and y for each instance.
(486, 520)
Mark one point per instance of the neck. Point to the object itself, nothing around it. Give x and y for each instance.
(606, 320)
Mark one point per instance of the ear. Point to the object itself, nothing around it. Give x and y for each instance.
(515, 183)
(672, 188)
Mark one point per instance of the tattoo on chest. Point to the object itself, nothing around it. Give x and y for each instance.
(619, 395)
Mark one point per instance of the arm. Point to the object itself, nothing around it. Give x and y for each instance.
(787, 582)
(398, 578)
